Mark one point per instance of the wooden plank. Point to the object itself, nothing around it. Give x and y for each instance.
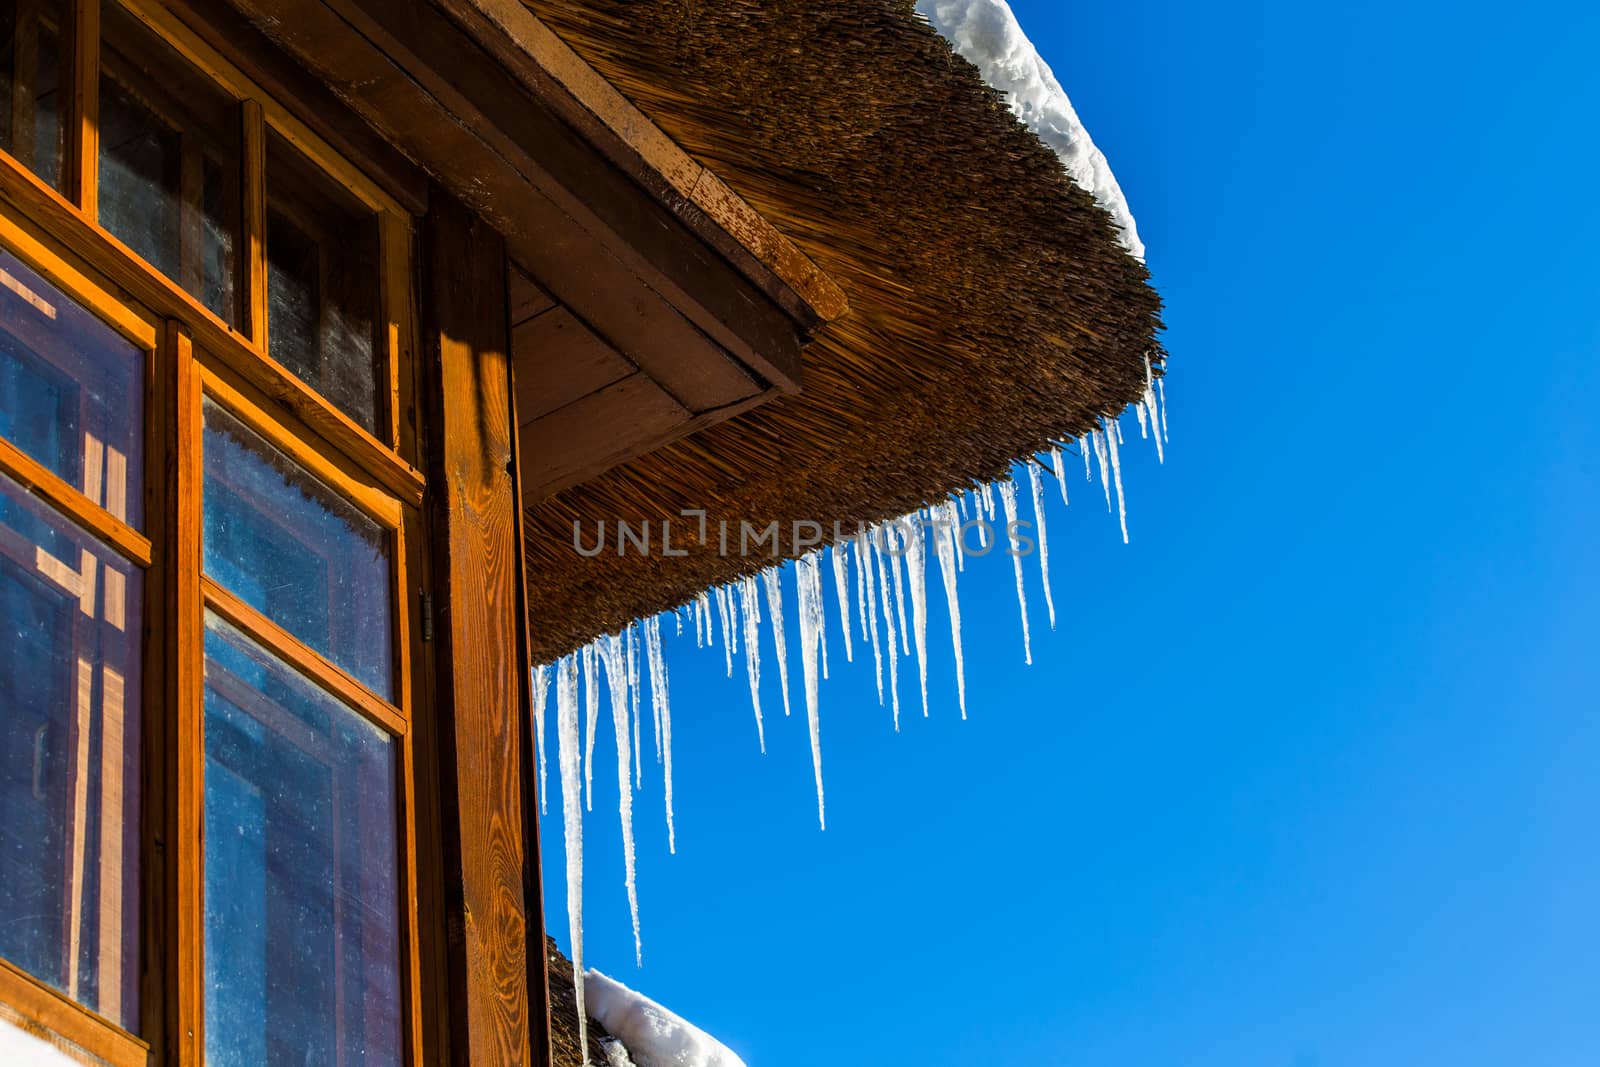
(315, 666)
(31, 474)
(253, 257)
(560, 360)
(82, 120)
(625, 271)
(538, 968)
(481, 678)
(588, 434)
(184, 669)
(48, 1012)
(526, 298)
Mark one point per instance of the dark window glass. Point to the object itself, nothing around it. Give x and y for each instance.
(169, 162)
(302, 928)
(322, 284)
(296, 551)
(69, 758)
(30, 86)
(71, 391)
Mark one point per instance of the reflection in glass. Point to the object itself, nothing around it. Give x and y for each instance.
(302, 950)
(71, 391)
(69, 758)
(169, 162)
(30, 86)
(296, 551)
(322, 283)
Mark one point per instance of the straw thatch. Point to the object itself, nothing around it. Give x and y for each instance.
(564, 1048)
(992, 309)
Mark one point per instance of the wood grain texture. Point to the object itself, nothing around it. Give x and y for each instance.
(597, 431)
(560, 360)
(526, 298)
(481, 686)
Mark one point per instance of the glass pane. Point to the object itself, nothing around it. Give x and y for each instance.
(322, 284)
(30, 86)
(71, 391)
(296, 551)
(169, 162)
(69, 758)
(302, 933)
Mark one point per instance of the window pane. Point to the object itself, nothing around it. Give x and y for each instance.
(71, 391)
(30, 85)
(69, 758)
(296, 551)
(322, 284)
(169, 162)
(302, 931)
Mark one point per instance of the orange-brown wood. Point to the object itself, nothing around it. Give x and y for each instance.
(560, 360)
(24, 469)
(481, 683)
(49, 1012)
(527, 299)
(253, 287)
(83, 106)
(184, 993)
(48, 212)
(282, 644)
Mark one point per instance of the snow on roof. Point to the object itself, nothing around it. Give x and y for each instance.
(988, 36)
(19, 1048)
(652, 1035)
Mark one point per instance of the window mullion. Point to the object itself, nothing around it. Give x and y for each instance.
(254, 186)
(82, 119)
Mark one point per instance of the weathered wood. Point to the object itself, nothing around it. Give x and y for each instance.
(81, 42)
(560, 360)
(588, 434)
(591, 235)
(527, 299)
(481, 685)
(55, 1014)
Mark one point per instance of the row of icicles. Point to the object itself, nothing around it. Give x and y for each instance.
(888, 560)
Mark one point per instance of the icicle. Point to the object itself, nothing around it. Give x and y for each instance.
(946, 542)
(572, 823)
(961, 504)
(541, 696)
(886, 588)
(864, 562)
(591, 719)
(861, 585)
(953, 513)
(1008, 496)
(1151, 408)
(775, 604)
(822, 624)
(1138, 409)
(633, 702)
(663, 705)
(1037, 486)
(611, 654)
(1161, 391)
(916, 575)
(1116, 472)
(1116, 424)
(898, 562)
(723, 609)
(1061, 474)
(752, 651)
(841, 591)
(1099, 439)
(699, 624)
(808, 587)
(986, 493)
(1083, 450)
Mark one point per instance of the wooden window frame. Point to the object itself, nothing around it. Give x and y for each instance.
(192, 354)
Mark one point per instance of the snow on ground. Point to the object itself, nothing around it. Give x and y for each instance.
(987, 34)
(18, 1048)
(654, 1036)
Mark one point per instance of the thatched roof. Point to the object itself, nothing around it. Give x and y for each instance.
(992, 309)
(564, 1048)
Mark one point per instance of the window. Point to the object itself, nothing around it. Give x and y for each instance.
(205, 523)
(70, 668)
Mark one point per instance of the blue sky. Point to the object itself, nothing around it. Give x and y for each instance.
(1306, 775)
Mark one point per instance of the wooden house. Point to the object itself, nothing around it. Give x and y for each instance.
(321, 322)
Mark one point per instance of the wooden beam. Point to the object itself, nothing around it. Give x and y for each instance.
(482, 687)
(590, 234)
